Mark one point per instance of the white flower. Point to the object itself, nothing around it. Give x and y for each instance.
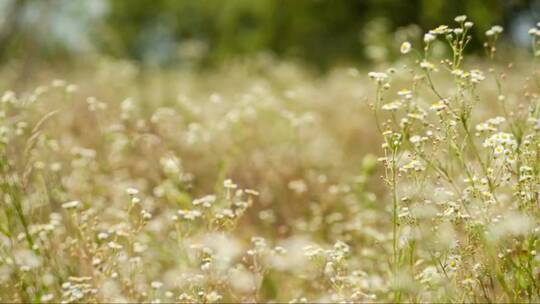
(9, 97)
(47, 297)
(189, 214)
(453, 262)
(405, 47)
(497, 29)
(428, 37)
(496, 121)
(171, 165)
(205, 201)
(429, 275)
(96, 261)
(441, 29)
(502, 139)
(415, 165)
(407, 94)
(460, 19)
(392, 106)
(213, 297)
(378, 77)
(146, 215)
(132, 191)
(58, 83)
(114, 245)
(229, 184)
(502, 144)
(298, 186)
(426, 65)
(439, 106)
(490, 124)
(417, 140)
(485, 127)
(457, 72)
(494, 30)
(526, 173)
(477, 76)
(71, 205)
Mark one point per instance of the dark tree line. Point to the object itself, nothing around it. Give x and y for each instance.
(169, 31)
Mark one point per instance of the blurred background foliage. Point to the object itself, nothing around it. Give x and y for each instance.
(203, 33)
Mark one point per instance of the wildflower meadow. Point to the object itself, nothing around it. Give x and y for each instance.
(414, 180)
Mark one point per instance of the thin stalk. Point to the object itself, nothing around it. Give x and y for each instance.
(395, 224)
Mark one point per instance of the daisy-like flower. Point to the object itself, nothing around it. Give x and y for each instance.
(426, 65)
(415, 165)
(378, 77)
(392, 106)
(503, 146)
(405, 47)
(428, 38)
(71, 205)
(494, 30)
(441, 29)
(439, 106)
(490, 124)
(460, 19)
(206, 201)
(404, 93)
(476, 76)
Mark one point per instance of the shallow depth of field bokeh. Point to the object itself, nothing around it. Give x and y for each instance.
(269, 151)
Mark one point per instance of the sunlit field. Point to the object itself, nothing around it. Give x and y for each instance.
(416, 180)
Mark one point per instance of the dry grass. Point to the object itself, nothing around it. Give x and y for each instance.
(132, 186)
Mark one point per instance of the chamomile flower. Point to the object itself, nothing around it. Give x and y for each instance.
(405, 47)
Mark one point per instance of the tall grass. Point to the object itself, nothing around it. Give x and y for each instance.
(259, 182)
